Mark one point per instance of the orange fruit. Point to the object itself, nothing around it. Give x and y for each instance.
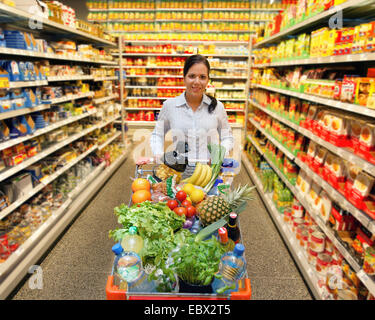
(141, 196)
(141, 184)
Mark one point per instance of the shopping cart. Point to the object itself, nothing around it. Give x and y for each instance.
(113, 292)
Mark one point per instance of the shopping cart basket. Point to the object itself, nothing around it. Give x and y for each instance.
(113, 291)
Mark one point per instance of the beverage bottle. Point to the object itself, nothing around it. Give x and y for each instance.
(232, 268)
(129, 270)
(226, 243)
(233, 230)
(132, 241)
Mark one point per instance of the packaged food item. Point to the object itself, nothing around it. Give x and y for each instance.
(317, 241)
(363, 184)
(323, 262)
(298, 210)
(312, 256)
(325, 206)
(363, 90)
(356, 126)
(312, 151)
(369, 261)
(314, 194)
(319, 159)
(296, 223)
(349, 88)
(367, 138)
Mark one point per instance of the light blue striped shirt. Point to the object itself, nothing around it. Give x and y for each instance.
(197, 128)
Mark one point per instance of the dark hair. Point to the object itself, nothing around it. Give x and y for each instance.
(192, 60)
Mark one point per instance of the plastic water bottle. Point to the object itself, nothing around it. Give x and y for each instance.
(128, 268)
(132, 241)
(232, 268)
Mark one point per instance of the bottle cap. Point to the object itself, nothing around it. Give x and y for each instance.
(233, 215)
(239, 249)
(223, 234)
(133, 230)
(117, 248)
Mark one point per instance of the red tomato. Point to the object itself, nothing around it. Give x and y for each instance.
(190, 211)
(181, 195)
(186, 203)
(180, 211)
(172, 204)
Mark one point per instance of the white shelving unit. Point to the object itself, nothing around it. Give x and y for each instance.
(298, 254)
(351, 9)
(312, 211)
(16, 266)
(150, 124)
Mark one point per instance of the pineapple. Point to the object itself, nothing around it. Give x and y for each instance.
(215, 207)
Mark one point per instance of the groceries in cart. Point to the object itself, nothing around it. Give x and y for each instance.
(177, 217)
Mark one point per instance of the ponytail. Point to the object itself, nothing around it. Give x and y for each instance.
(213, 104)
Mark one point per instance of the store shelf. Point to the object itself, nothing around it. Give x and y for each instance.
(368, 281)
(332, 192)
(21, 18)
(342, 152)
(124, 54)
(152, 124)
(35, 54)
(46, 181)
(70, 78)
(17, 265)
(6, 173)
(69, 98)
(228, 68)
(153, 87)
(20, 112)
(234, 110)
(357, 6)
(121, 10)
(141, 109)
(206, 42)
(13, 170)
(362, 217)
(24, 84)
(111, 139)
(230, 89)
(153, 67)
(148, 98)
(312, 211)
(105, 99)
(231, 99)
(107, 122)
(152, 76)
(289, 238)
(106, 78)
(49, 128)
(273, 140)
(229, 77)
(348, 58)
(328, 102)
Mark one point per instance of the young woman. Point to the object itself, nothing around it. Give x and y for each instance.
(193, 116)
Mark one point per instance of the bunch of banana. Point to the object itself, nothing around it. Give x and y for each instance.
(201, 176)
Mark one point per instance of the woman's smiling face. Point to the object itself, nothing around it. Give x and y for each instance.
(196, 80)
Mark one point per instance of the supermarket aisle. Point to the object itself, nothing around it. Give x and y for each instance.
(78, 266)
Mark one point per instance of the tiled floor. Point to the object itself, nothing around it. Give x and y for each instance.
(78, 265)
